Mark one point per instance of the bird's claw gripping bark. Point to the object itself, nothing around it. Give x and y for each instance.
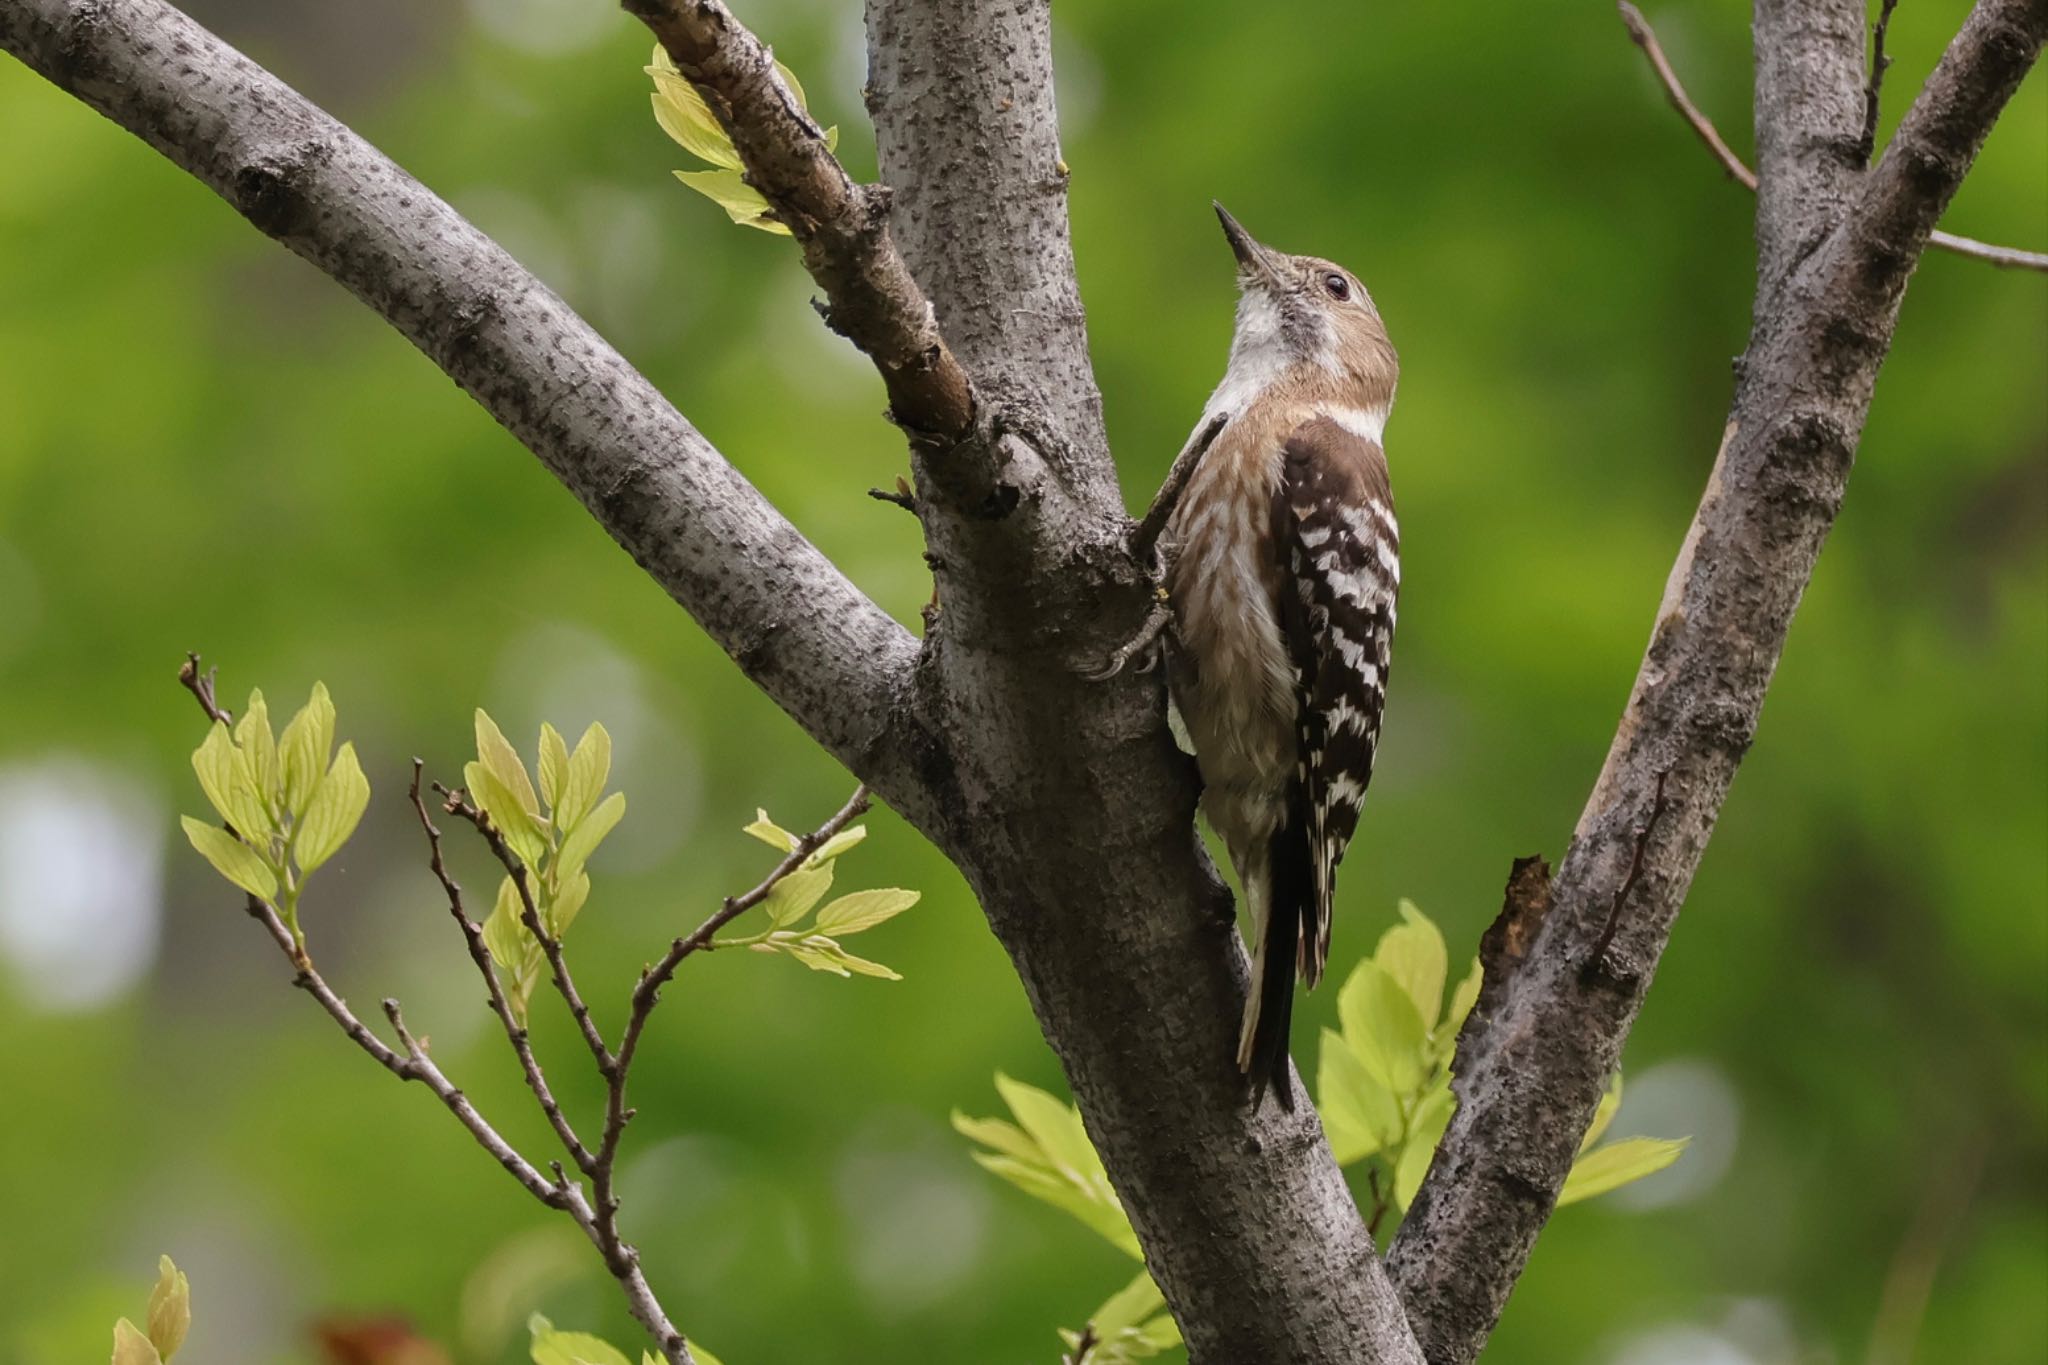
(1144, 646)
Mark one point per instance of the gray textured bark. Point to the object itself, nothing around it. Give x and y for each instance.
(1835, 248)
(1065, 803)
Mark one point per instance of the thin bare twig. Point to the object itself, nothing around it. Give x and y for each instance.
(2007, 257)
(201, 685)
(480, 954)
(1880, 62)
(1167, 498)
(411, 1062)
(647, 993)
(458, 804)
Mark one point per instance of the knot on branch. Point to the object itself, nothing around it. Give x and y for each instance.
(272, 189)
(1505, 946)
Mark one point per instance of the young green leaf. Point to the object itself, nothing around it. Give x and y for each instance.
(253, 735)
(684, 116)
(1462, 1001)
(513, 947)
(1603, 1114)
(770, 833)
(1360, 1117)
(816, 960)
(1381, 1026)
(588, 834)
(507, 812)
(997, 1134)
(1056, 1127)
(852, 913)
(497, 754)
(742, 203)
(303, 750)
(1041, 1182)
(554, 767)
(505, 931)
(225, 777)
(551, 1347)
(131, 1347)
(844, 961)
(1129, 1307)
(836, 845)
(790, 899)
(170, 1308)
(1412, 955)
(1616, 1164)
(589, 769)
(1425, 1131)
(231, 858)
(331, 816)
(568, 901)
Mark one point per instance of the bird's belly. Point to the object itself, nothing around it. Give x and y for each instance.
(1232, 680)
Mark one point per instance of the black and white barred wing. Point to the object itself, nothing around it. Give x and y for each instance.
(1335, 533)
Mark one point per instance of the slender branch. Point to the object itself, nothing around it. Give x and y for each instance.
(412, 1065)
(1880, 62)
(1551, 1034)
(1168, 497)
(647, 991)
(457, 804)
(480, 954)
(842, 226)
(411, 1062)
(2006, 257)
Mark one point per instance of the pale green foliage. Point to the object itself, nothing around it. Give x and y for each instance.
(170, 1317)
(553, 831)
(289, 804)
(1132, 1324)
(552, 1347)
(1383, 1085)
(796, 895)
(1047, 1154)
(684, 116)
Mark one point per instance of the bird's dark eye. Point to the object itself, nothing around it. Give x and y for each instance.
(1337, 286)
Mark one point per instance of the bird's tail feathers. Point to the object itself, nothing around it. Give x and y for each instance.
(1286, 920)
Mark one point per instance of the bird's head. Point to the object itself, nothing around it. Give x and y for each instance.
(1309, 321)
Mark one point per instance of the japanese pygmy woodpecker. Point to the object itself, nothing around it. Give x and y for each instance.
(1282, 590)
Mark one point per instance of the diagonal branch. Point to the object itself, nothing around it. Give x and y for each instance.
(1550, 1035)
(812, 641)
(842, 226)
(1645, 37)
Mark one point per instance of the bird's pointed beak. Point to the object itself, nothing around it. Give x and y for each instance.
(1254, 261)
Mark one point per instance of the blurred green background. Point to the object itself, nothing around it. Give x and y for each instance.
(204, 444)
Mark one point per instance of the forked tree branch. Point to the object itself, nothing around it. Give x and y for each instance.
(1645, 37)
(411, 1062)
(596, 1214)
(1544, 1042)
(812, 641)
